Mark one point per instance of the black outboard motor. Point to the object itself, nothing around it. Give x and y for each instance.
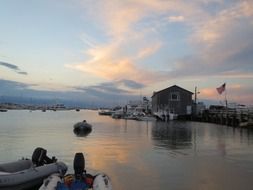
(39, 157)
(79, 165)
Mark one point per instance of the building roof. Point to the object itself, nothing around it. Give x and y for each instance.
(171, 87)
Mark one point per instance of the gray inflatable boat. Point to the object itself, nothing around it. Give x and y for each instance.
(27, 173)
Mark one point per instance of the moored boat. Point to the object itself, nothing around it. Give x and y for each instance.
(29, 173)
(146, 118)
(82, 128)
(105, 112)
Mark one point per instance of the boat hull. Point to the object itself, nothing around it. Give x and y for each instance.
(82, 128)
(29, 177)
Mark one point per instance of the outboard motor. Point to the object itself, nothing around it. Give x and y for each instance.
(39, 157)
(79, 165)
(80, 173)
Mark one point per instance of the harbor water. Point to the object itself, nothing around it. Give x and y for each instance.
(137, 155)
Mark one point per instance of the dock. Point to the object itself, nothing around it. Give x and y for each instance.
(242, 117)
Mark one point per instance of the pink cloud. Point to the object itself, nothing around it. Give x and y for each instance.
(176, 18)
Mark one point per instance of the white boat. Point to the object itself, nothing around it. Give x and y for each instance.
(146, 118)
(79, 180)
(172, 116)
(165, 116)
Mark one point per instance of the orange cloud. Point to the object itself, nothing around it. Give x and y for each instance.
(110, 62)
(115, 70)
(118, 19)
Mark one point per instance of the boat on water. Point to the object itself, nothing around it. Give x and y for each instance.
(82, 128)
(105, 112)
(3, 110)
(145, 118)
(80, 180)
(165, 116)
(29, 173)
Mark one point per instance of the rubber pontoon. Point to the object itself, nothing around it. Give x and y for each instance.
(26, 173)
(78, 181)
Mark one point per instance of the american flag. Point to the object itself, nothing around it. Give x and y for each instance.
(221, 89)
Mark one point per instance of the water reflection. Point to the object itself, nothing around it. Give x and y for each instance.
(172, 135)
(81, 133)
(137, 155)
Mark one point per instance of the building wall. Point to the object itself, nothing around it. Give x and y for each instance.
(173, 99)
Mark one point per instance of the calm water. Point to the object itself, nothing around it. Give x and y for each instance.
(136, 155)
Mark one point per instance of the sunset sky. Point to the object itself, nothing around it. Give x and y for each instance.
(114, 51)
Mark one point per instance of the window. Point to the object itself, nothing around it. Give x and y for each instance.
(174, 96)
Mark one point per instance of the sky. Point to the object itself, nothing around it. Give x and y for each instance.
(118, 50)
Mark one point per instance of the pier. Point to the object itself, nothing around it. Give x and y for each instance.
(242, 117)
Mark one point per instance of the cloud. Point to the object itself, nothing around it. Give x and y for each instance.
(145, 52)
(212, 29)
(121, 87)
(130, 84)
(222, 46)
(108, 62)
(108, 94)
(128, 25)
(22, 72)
(10, 66)
(104, 88)
(9, 86)
(13, 67)
(114, 92)
(176, 18)
(88, 40)
(219, 40)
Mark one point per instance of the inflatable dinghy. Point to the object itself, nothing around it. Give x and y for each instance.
(82, 128)
(78, 181)
(26, 173)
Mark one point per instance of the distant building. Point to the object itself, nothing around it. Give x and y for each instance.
(173, 99)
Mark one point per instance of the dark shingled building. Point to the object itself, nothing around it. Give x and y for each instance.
(173, 99)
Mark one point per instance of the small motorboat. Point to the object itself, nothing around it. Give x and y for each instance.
(29, 173)
(105, 112)
(80, 180)
(82, 128)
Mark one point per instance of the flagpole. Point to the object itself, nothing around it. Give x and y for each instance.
(226, 101)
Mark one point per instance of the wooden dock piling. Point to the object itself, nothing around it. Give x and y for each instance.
(230, 117)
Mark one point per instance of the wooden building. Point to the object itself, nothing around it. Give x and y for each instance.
(173, 99)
